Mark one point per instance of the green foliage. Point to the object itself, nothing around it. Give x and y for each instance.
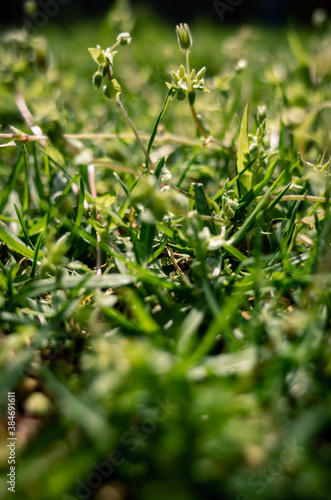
(243, 158)
(165, 312)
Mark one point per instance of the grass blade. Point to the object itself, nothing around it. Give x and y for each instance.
(36, 255)
(252, 218)
(13, 242)
(9, 186)
(23, 226)
(244, 184)
(80, 205)
(202, 204)
(159, 118)
(253, 193)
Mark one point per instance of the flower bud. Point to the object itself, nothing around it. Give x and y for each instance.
(228, 211)
(254, 147)
(124, 38)
(184, 36)
(104, 68)
(40, 53)
(241, 65)
(201, 73)
(181, 72)
(30, 7)
(97, 79)
(109, 57)
(261, 113)
(175, 77)
(107, 92)
(181, 94)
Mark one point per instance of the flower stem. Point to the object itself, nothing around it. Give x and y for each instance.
(130, 123)
(198, 122)
(188, 71)
(27, 116)
(91, 179)
(114, 46)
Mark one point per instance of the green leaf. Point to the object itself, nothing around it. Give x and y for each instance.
(244, 183)
(202, 204)
(87, 281)
(9, 185)
(13, 242)
(112, 89)
(255, 191)
(97, 55)
(141, 313)
(147, 234)
(240, 362)
(81, 205)
(298, 50)
(104, 203)
(36, 255)
(40, 226)
(78, 408)
(159, 118)
(157, 252)
(188, 332)
(23, 226)
(158, 171)
(257, 213)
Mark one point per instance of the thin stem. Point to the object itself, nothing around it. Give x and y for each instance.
(114, 46)
(160, 138)
(188, 71)
(198, 122)
(255, 168)
(295, 197)
(205, 134)
(91, 179)
(129, 121)
(27, 116)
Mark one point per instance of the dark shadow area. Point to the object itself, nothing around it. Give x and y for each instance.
(274, 12)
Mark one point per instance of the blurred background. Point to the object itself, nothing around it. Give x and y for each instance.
(271, 11)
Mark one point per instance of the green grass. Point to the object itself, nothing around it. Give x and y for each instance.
(176, 329)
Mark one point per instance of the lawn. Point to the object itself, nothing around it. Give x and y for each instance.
(165, 265)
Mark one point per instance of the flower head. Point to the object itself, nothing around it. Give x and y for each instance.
(184, 36)
(184, 85)
(124, 38)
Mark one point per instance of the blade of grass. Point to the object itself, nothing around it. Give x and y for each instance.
(187, 338)
(202, 204)
(233, 181)
(13, 242)
(25, 202)
(252, 218)
(244, 183)
(23, 226)
(253, 193)
(38, 287)
(36, 255)
(79, 408)
(157, 252)
(80, 205)
(38, 181)
(9, 186)
(159, 118)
